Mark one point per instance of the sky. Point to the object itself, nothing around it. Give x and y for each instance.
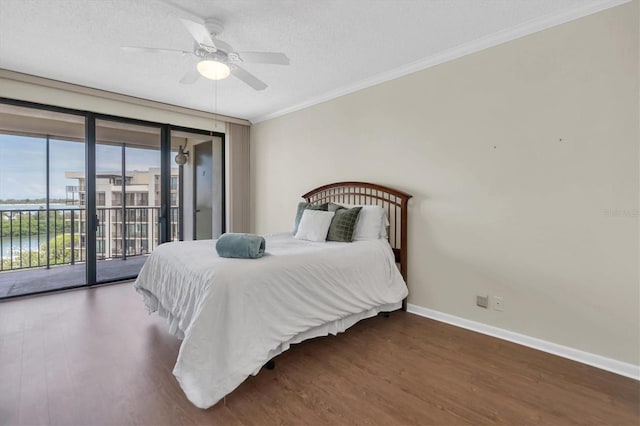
(23, 164)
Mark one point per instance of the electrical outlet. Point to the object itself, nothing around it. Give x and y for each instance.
(482, 301)
(498, 303)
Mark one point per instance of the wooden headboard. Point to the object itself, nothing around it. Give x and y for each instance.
(393, 201)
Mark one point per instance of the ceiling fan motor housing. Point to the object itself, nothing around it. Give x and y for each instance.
(205, 52)
(214, 26)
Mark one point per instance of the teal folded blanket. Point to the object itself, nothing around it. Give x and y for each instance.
(243, 246)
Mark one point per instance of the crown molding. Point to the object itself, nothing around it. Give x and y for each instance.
(474, 46)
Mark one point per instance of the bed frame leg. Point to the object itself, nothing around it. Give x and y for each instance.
(270, 365)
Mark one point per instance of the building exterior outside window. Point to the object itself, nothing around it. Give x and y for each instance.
(142, 201)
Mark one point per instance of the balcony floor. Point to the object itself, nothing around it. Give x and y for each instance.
(35, 280)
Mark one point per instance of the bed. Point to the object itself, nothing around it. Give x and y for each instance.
(235, 315)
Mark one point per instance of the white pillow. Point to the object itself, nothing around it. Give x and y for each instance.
(372, 224)
(314, 225)
(384, 225)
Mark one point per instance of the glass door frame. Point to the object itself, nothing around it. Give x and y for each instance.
(223, 182)
(62, 110)
(90, 178)
(91, 186)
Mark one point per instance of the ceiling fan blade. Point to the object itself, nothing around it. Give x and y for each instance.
(248, 78)
(222, 45)
(199, 32)
(190, 76)
(138, 49)
(274, 58)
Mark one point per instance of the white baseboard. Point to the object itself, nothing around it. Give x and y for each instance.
(604, 363)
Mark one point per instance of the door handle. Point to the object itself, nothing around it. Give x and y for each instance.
(197, 210)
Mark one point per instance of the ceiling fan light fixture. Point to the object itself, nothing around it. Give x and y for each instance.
(213, 70)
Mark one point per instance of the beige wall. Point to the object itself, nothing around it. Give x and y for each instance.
(523, 163)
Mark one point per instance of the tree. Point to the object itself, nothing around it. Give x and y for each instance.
(20, 223)
(60, 249)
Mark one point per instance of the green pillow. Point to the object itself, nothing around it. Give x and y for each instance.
(302, 206)
(333, 207)
(343, 224)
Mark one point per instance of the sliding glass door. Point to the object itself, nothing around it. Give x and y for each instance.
(42, 161)
(201, 183)
(85, 198)
(128, 197)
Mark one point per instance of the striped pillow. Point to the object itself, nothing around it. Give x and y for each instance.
(343, 224)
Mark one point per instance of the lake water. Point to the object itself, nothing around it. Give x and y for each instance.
(33, 239)
(21, 244)
(52, 206)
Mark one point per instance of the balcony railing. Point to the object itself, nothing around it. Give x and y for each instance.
(74, 188)
(31, 238)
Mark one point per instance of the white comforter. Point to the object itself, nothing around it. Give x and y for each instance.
(236, 314)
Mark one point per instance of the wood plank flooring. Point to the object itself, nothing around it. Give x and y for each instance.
(95, 357)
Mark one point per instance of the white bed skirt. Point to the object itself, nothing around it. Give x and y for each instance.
(332, 328)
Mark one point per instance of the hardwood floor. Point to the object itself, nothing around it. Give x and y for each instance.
(95, 357)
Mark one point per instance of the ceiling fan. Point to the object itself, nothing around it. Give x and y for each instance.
(217, 59)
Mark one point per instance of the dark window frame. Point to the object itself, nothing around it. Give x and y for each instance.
(90, 178)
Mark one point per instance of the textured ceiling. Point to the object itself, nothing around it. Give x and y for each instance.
(335, 46)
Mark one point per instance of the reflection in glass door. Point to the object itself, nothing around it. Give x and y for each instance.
(127, 197)
(199, 199)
